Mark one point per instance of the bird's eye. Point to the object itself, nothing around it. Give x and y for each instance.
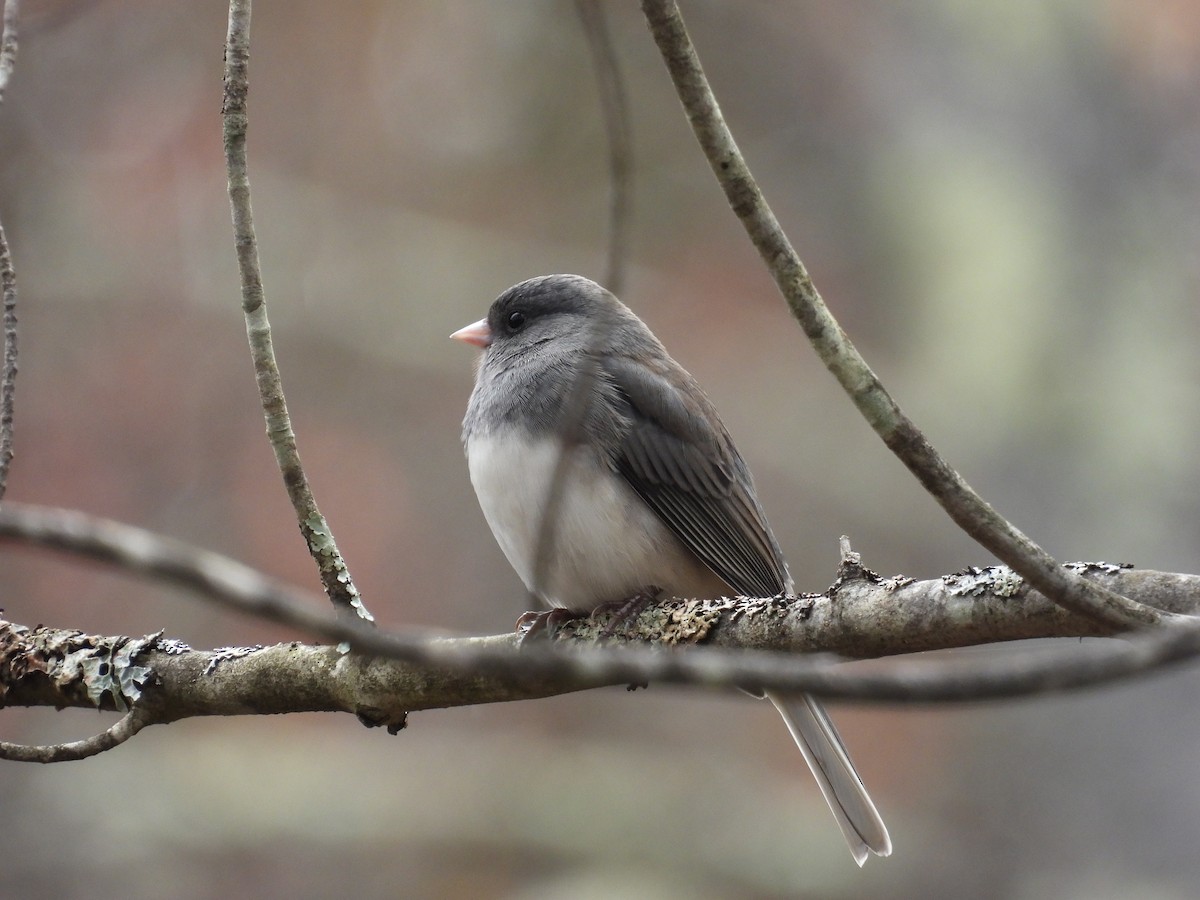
(516, 320)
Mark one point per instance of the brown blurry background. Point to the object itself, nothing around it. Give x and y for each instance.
(997, 199)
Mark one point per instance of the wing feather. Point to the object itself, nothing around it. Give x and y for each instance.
(676, 455)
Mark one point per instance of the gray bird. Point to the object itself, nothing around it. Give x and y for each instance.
(655, 493)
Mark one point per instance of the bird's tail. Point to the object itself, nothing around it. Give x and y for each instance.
(843, 790)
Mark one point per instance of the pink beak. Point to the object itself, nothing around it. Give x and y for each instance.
(476, 333)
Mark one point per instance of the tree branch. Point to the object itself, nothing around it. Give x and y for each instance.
(570, 425)
(728, 641)
(121, 731)
(335, 576)
(974, 515)
(167, 681)
(215, 577)
(8, 278)
(615, 109)
(8, 45)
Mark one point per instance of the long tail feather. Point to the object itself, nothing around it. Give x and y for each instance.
(840, 784)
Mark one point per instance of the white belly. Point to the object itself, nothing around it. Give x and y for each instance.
(607, 543)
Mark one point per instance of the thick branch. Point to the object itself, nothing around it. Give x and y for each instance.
(725, 644)
(171, 681)
(974, 515)
(861, 615)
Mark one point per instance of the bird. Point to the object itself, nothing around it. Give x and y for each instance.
(653, 493)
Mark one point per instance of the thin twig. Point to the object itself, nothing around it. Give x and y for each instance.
(571, 427)
(8, 45)
(8, 370)
(335, 577)
(8, 278)
(213, 576)
(975, 516)
(121, 731)
(615, 108)
(567, 666)
(575, 406)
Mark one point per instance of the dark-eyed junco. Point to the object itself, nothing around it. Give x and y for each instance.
(655, 493)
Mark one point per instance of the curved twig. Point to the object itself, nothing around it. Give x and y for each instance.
(121, 731)
(8, 369)
(8, 45)
(143, 552)
(335, 576)
(575, 407)
(8, 278)
(615, 109)
(571, 430)
(970, 511)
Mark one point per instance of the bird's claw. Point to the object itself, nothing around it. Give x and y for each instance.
(543, 624)
(625, 611)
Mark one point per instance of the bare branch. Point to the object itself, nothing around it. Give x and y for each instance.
(8, 369)
(860, 616)
(121, 731)
(142, 552)
(571, 430)
(180, 682)
(8, 45)
(615, 109)
(574, 411)
(974, 515)
(8, 278)
(335, 577)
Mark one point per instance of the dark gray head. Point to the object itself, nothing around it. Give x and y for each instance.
(554, 312)
(534, 338)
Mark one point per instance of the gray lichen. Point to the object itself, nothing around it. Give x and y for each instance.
(975, 581)
(107, 668)
(681, 621)
(224, 654)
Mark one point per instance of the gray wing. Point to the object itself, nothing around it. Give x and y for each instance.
(677, 456)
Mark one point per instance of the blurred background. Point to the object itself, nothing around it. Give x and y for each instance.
(999, 200)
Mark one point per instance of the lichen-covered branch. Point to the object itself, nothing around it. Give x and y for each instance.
(970, 511)
(335, 576)
(168, 680)
(718, 644)
(729, 642)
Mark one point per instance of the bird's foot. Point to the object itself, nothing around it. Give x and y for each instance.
(543, 624)
(625, 611)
